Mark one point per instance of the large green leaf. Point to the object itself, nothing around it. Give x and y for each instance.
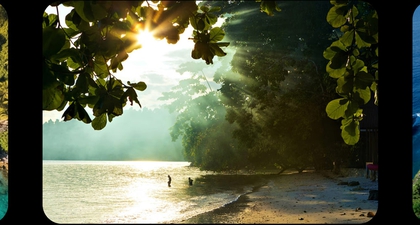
(347, 38)
(99, 122)
(344, 85)
(360, 40)
(269, 7)
(141, 86)
(53, 40)
(90, 11)
(53, 97)
(82, 83)
(353, 107)
(216, 50)
(82, 115)
(336, 108)
(350, 131)
(363, 79)
(335, 47)
(63, 74)
(336, 15)
(335, 73)
(100, 67)
(68, 53)
(116, 61)
(216, 34)
(131, 94)
(76, 111)
(364, 94)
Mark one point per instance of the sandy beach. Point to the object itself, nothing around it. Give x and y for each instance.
(309, 197)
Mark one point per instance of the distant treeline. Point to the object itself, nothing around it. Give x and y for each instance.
(145, 137)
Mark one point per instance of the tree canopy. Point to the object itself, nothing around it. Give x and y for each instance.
(4, 79)
(81, 62)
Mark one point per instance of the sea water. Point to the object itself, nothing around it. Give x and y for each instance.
(132, 191)
(4, 194)
(416, 92)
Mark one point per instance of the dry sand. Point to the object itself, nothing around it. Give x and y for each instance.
(311, 197)
(301, 198)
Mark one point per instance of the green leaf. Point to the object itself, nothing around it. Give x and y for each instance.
(364, 94)
(352, 107)
(53, 40)
(204, 8)
(68, 53)
(210, 20)
(89, 100)
(350, 131)
(197, 23)
(216, 34)
(82, 115)
(98, 10)
(82, 83)
(336, 16)
(336, 108)
(214, 47)
(100, 67)
(335, 47)
(344, 85)
(63, 74)
(76, 111)
(131, 94)
(90, 11)
(141, 86)
(339, 60)
(99, 122)
(360, 40)
(53, 97)
(347, 38)
(363, 80)
(335, 73)
(70, 112)
(75, 22)
(269, 7)
(215, 9)
(116, 61)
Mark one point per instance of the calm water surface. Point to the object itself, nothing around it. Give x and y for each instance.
(134, 191)
(416, 92)
(4, 193)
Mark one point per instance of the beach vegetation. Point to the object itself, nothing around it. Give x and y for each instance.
(353, 62)
(4, 80)
(80, 61)
(416, 194)
(281, 103)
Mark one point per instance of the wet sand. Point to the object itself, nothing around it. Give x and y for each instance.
(310, 197)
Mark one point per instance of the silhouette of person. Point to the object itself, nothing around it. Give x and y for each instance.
(169, 181)
(190, 181)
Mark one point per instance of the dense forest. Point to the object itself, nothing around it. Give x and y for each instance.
(146, 138)
(295, 88)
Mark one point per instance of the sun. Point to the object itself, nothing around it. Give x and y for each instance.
(149, 44)
(145, 37)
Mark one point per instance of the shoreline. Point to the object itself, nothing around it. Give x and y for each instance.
(307, 197)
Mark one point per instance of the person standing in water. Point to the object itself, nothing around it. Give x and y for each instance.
(169, 181)
(190, 181)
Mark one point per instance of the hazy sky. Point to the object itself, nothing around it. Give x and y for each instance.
(154, 64)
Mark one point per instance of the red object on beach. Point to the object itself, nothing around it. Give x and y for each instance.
(372, 167)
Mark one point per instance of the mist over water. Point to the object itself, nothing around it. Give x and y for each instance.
(138, 135)
(134, 192)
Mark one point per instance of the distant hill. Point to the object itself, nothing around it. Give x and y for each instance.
(137, 135)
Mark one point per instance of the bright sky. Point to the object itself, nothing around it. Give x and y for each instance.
(156, 64)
